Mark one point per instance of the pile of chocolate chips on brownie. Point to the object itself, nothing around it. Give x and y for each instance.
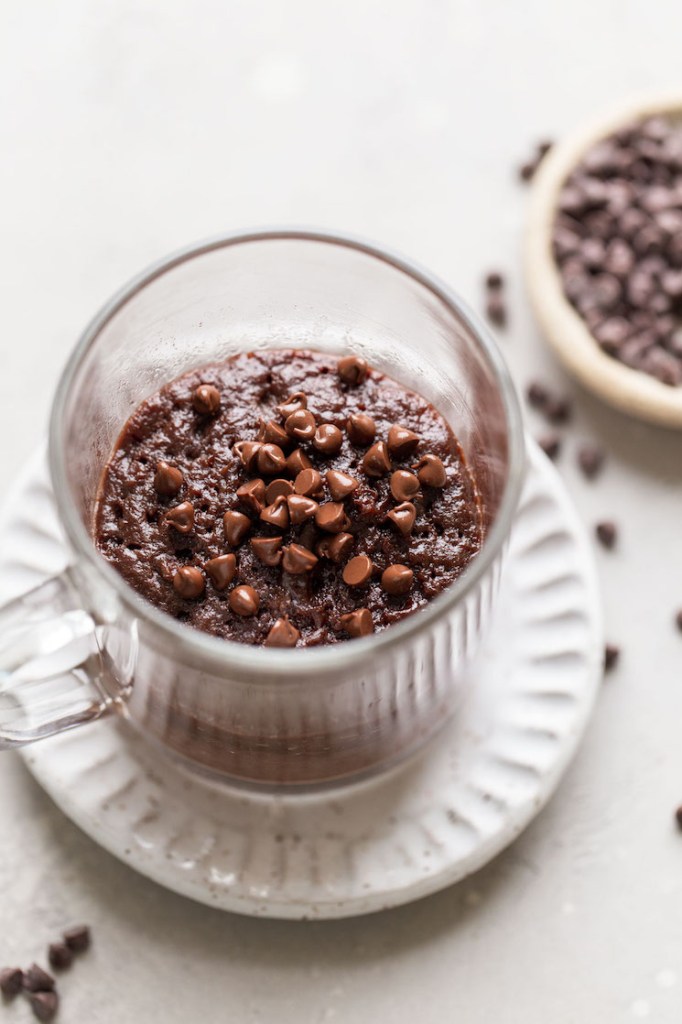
(36, 983)
(284, 516)
(618, 242)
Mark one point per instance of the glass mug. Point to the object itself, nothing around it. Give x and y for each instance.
(85, 644)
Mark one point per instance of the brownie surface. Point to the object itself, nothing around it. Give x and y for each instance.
(134, 532)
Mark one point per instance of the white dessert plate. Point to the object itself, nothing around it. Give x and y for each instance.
(631, 391)
(377, 843)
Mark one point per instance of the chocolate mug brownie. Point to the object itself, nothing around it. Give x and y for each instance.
(288, 498)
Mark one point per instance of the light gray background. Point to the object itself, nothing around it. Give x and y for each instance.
(131, 128)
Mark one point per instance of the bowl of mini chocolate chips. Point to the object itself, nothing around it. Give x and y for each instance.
(603, 257)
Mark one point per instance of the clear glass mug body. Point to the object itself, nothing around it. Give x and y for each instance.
(261, 715)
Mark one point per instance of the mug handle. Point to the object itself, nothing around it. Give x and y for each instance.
(52, 675)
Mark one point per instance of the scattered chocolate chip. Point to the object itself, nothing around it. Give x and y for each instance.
(301, 508)
(352, 370)
(188, 583)
(527, 170)
(401, 441)
(308, 482)
(332, 517)
(678, 816)
(404, 485)
(59, 956)
(396, 580)
(297, 461)
(292, 404)
(301, 425)
(181, 518)
(328, 439)
(403, 517)
(11, 981)
(44, 1005)
(611, 656)
(336, 548)
(167, 480)
(277, 514)
(252, 495)
(247, 453)
(206, 400)
(678, 620)
(279, 488)
(297, 560)
(494, 280)
(221, 570)
(590, 460)
(340, 484)
(38, 980)
(431, 471)
(607, 534)
(376, 461)
(267, 550)
(361, 429)
(236, 526)
(244, 601)
(357, 623)
(271, 433)
(358, 572)
(496, 309)
(282, 634)
(271, 460)
(558, 410)
(551, 445)
(538, 395)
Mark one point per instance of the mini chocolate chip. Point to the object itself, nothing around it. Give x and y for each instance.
(404, 485)
(38, 980)
(181, 517)
(272, 433)
(332, 517)
(206, 400)
(340, 484)
(590, 460)
(538, 395)
(494, 280)
(431, 471)
(558, 410)
(551, 445)
(278, 488)
(300, 508)
(678, 816)
(298, 560)
(267, 550)
(221, 570)
(527, 170)
(361, 429)
(611, 656)
(358, 572)
(328, 439)
(401, 441)
(44, 1005)
(11, 981)
(78, 938)
(308, 482)
(247, 453)
(678, 620)
(297, 461)
(403, 517)
(252, 495)
(396, 580)
(167, 480)
(336, 548)
(188, 583)
(301, 425)
(244, 601)
(292, 404)
(352, 370)
(236, 526)
(277, 514)
(59, 955)
(282, 634)
(271, 459)
(376, 461)
(496, 309)
(357, 623)
(607, 534)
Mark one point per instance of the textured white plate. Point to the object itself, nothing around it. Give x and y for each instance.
(374, 844)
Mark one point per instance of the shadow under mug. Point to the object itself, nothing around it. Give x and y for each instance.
(276, 717)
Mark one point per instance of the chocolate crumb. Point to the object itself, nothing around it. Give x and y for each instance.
(607, 534)
(611, 656)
